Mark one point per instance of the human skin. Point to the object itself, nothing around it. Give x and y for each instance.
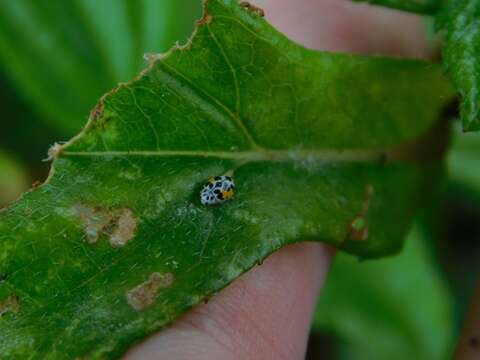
(266, 313)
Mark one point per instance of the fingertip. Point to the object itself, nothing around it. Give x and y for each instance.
(346, 26)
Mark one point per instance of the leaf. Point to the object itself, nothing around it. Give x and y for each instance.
(426, 7)
(64, 55)
(27, 136)
(13, 180)
(461, 21)
(462, 160)
(116, 244)
(396, 308)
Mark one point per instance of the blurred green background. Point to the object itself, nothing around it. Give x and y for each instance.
(58, 57)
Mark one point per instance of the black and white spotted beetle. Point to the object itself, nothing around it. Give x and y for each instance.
(217, 190)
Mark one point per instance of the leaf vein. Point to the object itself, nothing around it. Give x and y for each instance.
(215, 102)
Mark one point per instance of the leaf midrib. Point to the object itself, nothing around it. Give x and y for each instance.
(350, 155)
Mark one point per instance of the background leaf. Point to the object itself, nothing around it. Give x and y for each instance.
(63, 56)
(116, 245)
(461, 21)
(13, 179)
(395, 308)
(24, 134)
(462, 160)
(416, 6)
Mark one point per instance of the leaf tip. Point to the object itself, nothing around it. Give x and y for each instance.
(54, 152)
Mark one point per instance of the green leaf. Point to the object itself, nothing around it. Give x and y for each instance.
(395, 308)
(426, 7)
(462, 160)
(116, 244)
(13, 179)
(24, 134)
(461, 52)
(64, 55)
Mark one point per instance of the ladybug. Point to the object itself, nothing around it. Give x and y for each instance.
(217, 190)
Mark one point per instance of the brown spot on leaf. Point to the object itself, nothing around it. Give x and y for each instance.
(206, 19)
(10, 304)
(119, 225)
(143, 295)
(254, 9)
(358, 228)
(124, 231)
(97, 110)
(95, 220)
